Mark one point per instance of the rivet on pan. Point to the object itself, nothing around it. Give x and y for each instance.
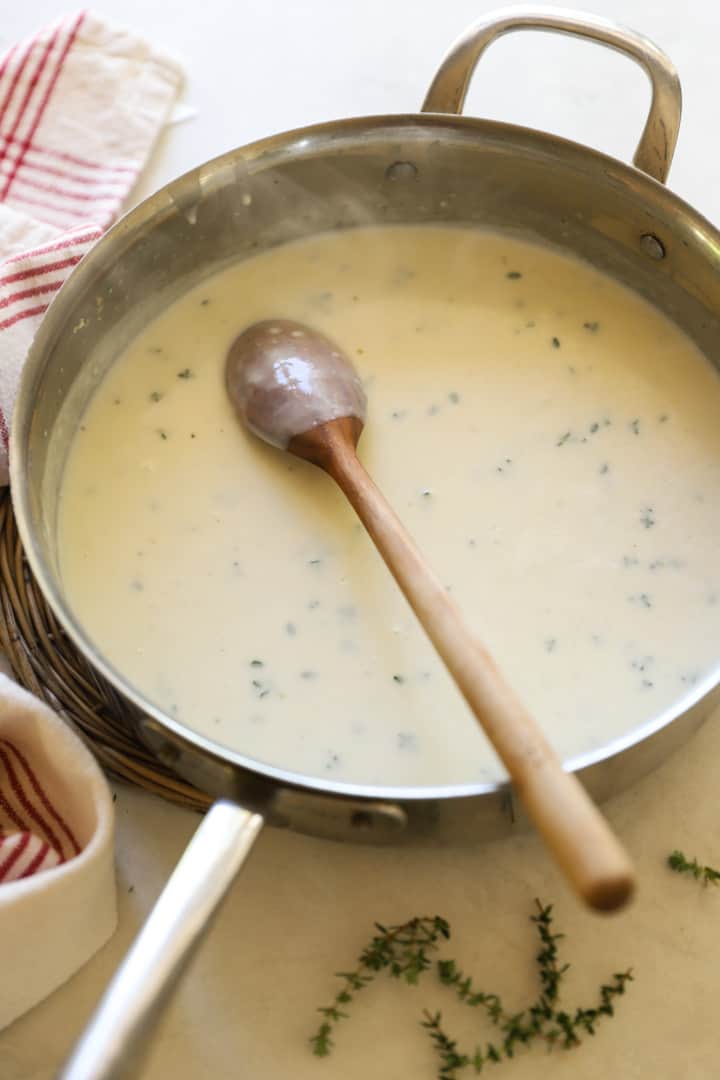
(401, 170)
(387, 818)
(169, 753)
(653, 248)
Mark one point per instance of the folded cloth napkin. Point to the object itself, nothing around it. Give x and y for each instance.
(57, 883)
(81, 105)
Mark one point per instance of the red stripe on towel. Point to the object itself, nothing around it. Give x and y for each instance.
(4, 64)
(15, 853)
(69, 240)
(63, 193)
(6, 101)
(23, 315)
(34, 866)
(83, 162)
(119, 183)
(10, 812)
(37, 290)
(43, 268)
(32, 83)
(42, 796)
(49, 208)
(21, 797)
(46, 97)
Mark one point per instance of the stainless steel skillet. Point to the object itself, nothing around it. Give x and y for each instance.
(435, 166)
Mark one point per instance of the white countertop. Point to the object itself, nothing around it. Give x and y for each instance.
(303, 908)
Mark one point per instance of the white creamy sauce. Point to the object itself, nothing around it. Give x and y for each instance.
(552, 442)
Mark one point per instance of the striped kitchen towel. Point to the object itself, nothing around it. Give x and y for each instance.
(34, 834)
(81, 105)
(57, 882)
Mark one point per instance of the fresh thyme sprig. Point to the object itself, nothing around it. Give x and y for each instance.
(404, 952)
(681, 865)
(401, 950)
(542, 1019)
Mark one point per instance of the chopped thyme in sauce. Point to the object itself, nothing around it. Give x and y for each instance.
(641, 600)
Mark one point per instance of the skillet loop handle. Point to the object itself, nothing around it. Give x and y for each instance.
(657, 142)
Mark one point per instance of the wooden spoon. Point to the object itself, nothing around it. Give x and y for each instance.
(294, 388)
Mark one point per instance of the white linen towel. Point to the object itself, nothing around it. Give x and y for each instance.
(57, 881)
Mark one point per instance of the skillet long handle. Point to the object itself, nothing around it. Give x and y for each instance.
(118, 1034)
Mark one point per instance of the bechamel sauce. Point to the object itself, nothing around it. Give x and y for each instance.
(552, 442)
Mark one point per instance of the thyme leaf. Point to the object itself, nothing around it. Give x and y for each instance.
(682, 865)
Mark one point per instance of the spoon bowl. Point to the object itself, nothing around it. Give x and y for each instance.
(285, 379)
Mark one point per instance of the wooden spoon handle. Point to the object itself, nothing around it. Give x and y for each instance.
(579, 837)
